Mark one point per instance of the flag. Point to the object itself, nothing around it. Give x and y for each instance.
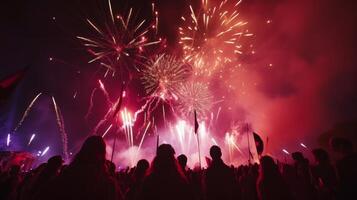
(258, 143)
(196, 122)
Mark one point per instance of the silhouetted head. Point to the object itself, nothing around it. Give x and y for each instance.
(341, 145)
(215, 152)
(268, 167)
(92, 151)
(14, 170)
(298, 156)
(165, 159)
(141, 167)
(111, 167)
(321, 156)
(55, 162)
(182, 160)
(165, 150)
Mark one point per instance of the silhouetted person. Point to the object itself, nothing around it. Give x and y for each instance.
(136, 185)
(346, 167)
(165, 179)
(10, 184)
(182, 160)
(270, 184)
(47, 175)
(324, 174)
(86, 177)
(111, 167)
(219, 178)
(303, 188)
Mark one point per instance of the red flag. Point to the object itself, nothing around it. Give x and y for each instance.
(258, 143)
(196, 122)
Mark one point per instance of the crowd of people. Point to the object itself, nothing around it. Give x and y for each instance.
(91, 176)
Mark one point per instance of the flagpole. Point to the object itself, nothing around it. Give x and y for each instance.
(113, 150)
(249, 153)
(199, 151)
(117, 109)
(198, 140)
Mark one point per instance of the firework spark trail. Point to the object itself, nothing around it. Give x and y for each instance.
(163, 74)
(142, 139)
(231, 141)
(8, 139)
(90, 104)
(285, 151)
(27, 111)
(60, 122)
(128, 124)
(122, 38)
(212, 36)
(102, 121)
(64, 135)
(218, 112)
(194, 96)
(214, 141)
(45, 151)
(303, 145)
(106, 131)
(32, 137)
(106, 94)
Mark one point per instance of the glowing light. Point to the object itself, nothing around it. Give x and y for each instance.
(45, 151)
(303, 145)
(286, 152)
(214, 141)
(106, 131)
(128, 124)
(60, 123)
(32, 137)
(8, 140)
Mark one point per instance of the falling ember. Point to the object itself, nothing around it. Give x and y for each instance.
(121, 39)
(286, 152)
(8, 139)
(303, 145)
(45, 151)
(163, 75)
(211, 36)
(32, 137)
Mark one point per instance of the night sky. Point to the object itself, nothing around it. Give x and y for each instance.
(310, 87)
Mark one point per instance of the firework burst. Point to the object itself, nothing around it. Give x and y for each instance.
(211, 37)
(120, 40)
(163, 75)
(194, 96)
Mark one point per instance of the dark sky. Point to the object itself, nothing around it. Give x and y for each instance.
(311, 43)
